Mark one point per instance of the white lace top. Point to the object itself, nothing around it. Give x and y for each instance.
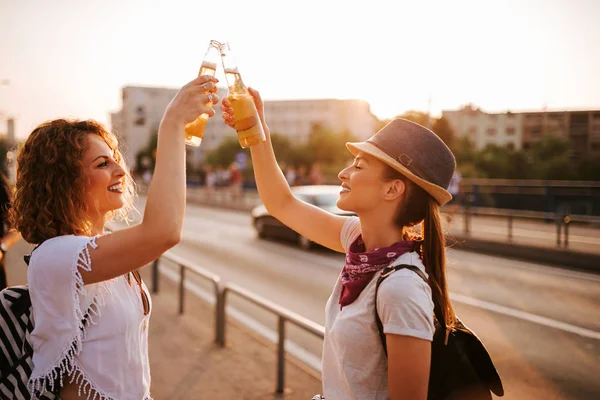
(107, 356)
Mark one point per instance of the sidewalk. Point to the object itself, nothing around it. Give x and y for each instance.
(184, 361)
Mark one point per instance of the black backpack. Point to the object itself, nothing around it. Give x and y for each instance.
(16, 350)
(461, 367)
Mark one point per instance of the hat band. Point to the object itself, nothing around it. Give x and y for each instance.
(406, 164)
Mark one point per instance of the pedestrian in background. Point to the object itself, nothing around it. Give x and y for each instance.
(455, 191)
(90, 306)
(235, 181)
(290, 175)
(397, 181)
(301, 176)
(315, 176)
(8, 236)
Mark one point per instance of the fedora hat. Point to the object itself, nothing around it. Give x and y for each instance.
(415, 152)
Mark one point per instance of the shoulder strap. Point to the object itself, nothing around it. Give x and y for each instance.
(387, 271)
(27, 257)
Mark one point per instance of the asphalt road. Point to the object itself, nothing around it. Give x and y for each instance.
(541, 324)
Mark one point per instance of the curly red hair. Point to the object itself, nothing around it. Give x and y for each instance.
(49, 198)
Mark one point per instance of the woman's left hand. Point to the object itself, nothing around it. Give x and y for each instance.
(228, 116)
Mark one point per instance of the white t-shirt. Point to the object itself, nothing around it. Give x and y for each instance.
(354, 363)
(108, 356)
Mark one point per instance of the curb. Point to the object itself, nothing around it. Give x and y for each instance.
(558, 257)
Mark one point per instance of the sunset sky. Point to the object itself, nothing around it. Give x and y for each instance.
(68, 58)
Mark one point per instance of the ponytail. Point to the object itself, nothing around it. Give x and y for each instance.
(434, 258)
(418, 207)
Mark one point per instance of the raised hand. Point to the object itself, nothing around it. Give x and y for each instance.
(258, 102)
(193, 99)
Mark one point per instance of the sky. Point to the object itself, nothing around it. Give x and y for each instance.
(70, 58)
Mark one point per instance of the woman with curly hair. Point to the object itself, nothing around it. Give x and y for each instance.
(89, 306)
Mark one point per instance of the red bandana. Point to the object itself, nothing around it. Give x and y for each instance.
(361, 265)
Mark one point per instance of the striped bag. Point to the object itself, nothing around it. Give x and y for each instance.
(15, 345)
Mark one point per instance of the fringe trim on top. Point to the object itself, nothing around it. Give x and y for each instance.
(52, 379)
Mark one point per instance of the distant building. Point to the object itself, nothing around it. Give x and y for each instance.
(481, 128)
(143, 108)
(295, 118)
(140, 116)
(520, 130)
(581, 128)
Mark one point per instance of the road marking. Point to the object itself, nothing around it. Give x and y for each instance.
(306, 357)
(525, 316)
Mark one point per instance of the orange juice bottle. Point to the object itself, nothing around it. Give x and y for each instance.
(194, 131)
(246, 120)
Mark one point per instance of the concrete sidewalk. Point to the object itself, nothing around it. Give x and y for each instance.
(186, 364)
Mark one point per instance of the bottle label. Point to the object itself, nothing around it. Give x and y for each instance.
(245, 124)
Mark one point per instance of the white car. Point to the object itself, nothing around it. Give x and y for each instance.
(322, 196)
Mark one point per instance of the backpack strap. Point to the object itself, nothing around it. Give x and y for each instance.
(27, 257)
(387, 271)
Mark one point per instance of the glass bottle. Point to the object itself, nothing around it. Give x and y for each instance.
(246, 121)
(194, 131)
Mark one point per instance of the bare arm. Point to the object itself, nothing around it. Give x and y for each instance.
(312, 222)
(409, 359)
(131, 248)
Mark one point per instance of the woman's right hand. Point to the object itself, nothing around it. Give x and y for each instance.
(193, 99)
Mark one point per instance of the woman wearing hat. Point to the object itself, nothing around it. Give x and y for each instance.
(398, 180)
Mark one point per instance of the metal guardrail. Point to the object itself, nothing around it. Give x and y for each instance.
(529, 183)
(562, 221)
(220, 291)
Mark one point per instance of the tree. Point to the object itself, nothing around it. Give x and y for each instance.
(147, 155)
(550, 147)
(495, 161)
(419, 117)
(284, 149)
(465, 151)
(588, 169)
(327, 147)
(224, 154)
(551, 159)
(444, 130)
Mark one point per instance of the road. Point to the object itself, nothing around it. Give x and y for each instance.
(541, 324)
